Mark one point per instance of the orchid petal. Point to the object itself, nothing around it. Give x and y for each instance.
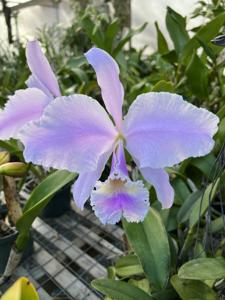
(160, 180)
(72, 134)
(119, 196)
(85, 183)
(118, 166)
(41, 68)
(33, 82)
(161, 129)
(113, 199)
(107, 72)
(24, 106)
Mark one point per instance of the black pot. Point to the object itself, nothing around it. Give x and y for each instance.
(3, 211)
(59, 204)
(6, 244)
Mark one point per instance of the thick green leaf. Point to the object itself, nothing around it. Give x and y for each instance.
(181, 190)
(119, 290)
(110, 35)
(203, 269)
(203, 202)
(176, 25)
(205, 34)
(128, 265)
(150, 242)
(186, 208)
(142, 284)
(163, 86)
(39, 198)
(197, 76)
(204, 164)
(161, 41)
(218, 224)
(193, 289)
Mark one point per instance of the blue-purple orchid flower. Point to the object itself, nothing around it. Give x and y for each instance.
(76, 133)
(28, 104)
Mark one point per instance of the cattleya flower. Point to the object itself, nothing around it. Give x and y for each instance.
(76, 133)
(28, 104)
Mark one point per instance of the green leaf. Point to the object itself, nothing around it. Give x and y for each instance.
(142, 284)
(186, 208)
(128, 265)
(181, 190)
(203, 269)
(193, 289)
(221, 131)
(197, 76)
(221, 112)
(204, 164)
(38, 199)
(176, 26)
(119, 290)
(152, 251)
(127, 38)
(206, 33)
(92, 31)
(110, 35)
(218, 224)
(203, 202)
(161, 41)
(163, 86)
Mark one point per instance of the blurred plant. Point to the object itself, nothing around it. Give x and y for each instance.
(22, 289)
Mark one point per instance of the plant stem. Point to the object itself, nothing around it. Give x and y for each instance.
(14, 209)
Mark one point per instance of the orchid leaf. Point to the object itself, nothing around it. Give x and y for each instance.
(161, 41)
(206, 33)
(38, 199)
(193, 289)
(153, 253)
(203, 269)
(201, 205)
(176, 25)
(197, 76)
(119, 290)
(128, 265)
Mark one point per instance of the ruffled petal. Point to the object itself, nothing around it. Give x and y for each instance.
(107, 72)
(72, 134)
(41, 68)
(161, 129)
(160, 180)
(113, 199)
(24, 106)
(85, 183)
(119, 196)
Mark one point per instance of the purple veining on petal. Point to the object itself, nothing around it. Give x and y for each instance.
(116, 198)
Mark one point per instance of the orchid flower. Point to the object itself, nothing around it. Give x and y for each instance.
(77, 134)
(28, 104)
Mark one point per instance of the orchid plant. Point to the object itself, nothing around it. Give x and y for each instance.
(75, 133)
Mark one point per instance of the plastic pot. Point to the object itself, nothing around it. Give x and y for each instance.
(6, 244)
